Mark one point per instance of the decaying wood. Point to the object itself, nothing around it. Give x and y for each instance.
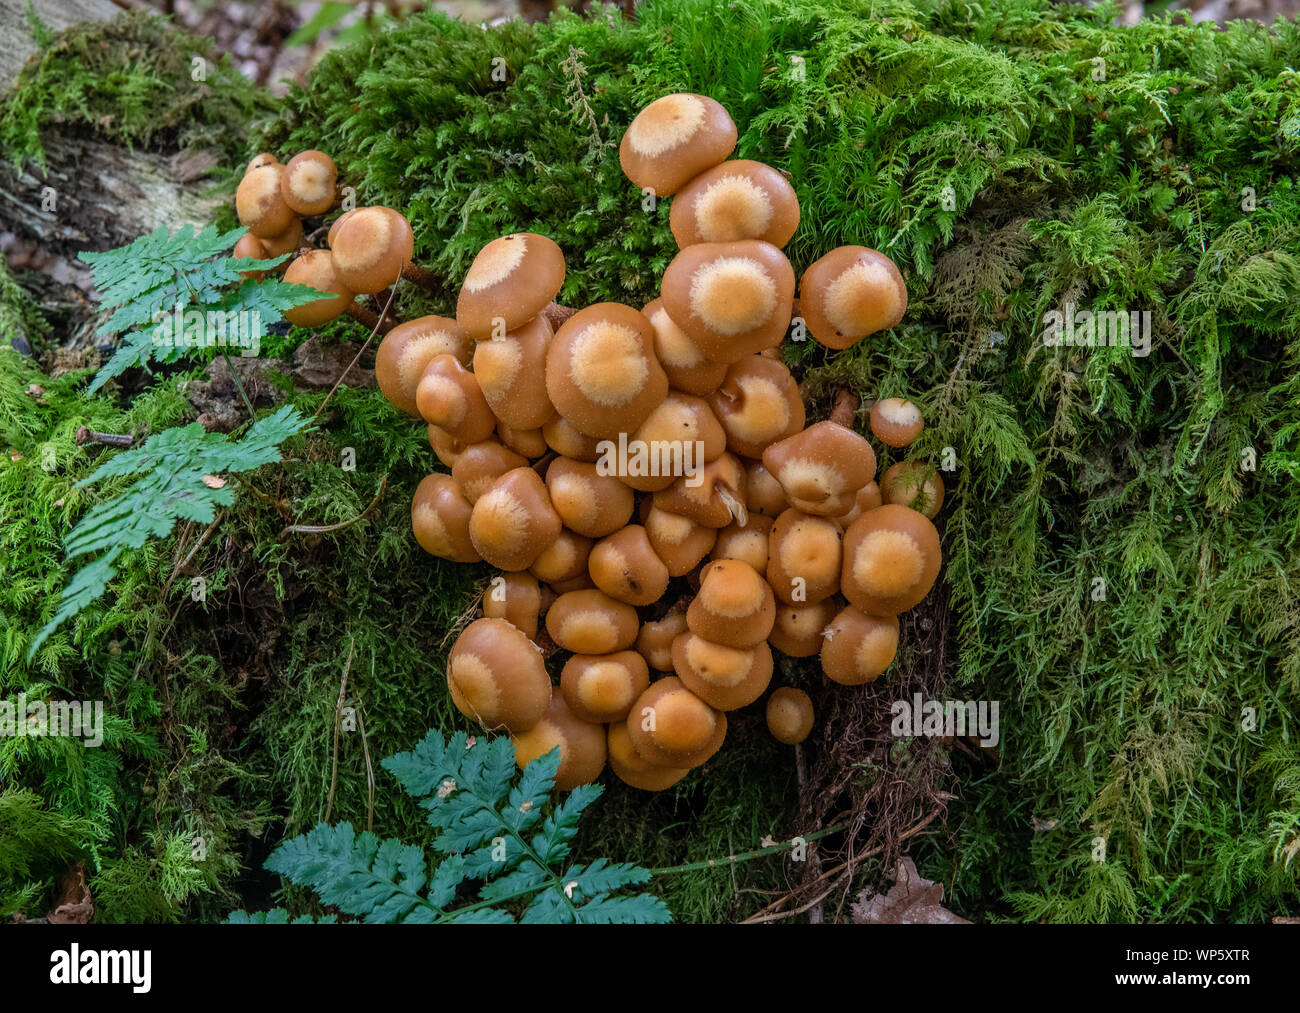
(16, 42)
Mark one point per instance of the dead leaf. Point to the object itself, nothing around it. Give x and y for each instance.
(912, 900)
(212, 482)
(74, 906)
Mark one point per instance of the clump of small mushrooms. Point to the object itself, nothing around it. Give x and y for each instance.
(662, 514)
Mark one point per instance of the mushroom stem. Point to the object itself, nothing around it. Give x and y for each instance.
(556, 314)
(845, 408)
(367, 318)
(420, 276)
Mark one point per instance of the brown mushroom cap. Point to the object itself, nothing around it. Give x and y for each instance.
(632, 769)
(591, 504)
(446, 446)
(582, 582)
(449, 397)
(734, 607)
(563, 437)
(734, 200)
(258, 202)
(286, 242)
(681, 433)
(714, 497)
(371, 247)
(512, 372)
(513, 522)
(601, 371)
(308, 183)
(591, 622)
(803, 558)
(407, 349)
(685, 365)
(625, 567)
(516, 598)
(723, 677)
(603, 687)
(748, 543)
(655, 641)
(763, 493)
(891, 560)
(673, 140)
(479, 465)
(797, 632)
(822, 468)
(440, 519)
(789, 715)
(581, 745)
(315, 270)
(679, 541)
(868, 498)
(257, 161)
(896, 421)
(528, 442)
(512, 280)
(672, 727)
(497, 677)
(338, 224)
(732, 299)
(758, 403)
(858, 647)
(564, 559)
(251, 248)
(913, 484)
(850, 293)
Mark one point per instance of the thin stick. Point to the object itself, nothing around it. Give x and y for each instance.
(85, 436)
(370, 767)
(321, 529)
(360, 352)
(338, 727)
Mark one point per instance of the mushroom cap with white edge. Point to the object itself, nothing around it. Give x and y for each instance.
(804, 556)
(687, 368)
(673, 140)
(581, 744)
(440, 519)
(563, 560)
(738, 199)
(850, 293)
(681, 433)
(797, 632)
(727, 678)
(913, 484)
(406, 350)
(857, 648)
(731, 299)
(258, 202)
(511, 280)
(480, 464)
(516, 598)
(714, 496)
(497, 677)
(735, 606)
(672, 727)
(591, 622)
(748, 542)
(896, 421)
(891, 560)
(513, 522)
(655, 641)
(603, 687)
(512, 372)
(758, 403)
(633, 769)
(315, 270)
(868, 498)
(308, 183)
(371, 247)
(589, 503)
(789, 715)
(449, 397)
(679, 541)
(822, 468)
(625, 567)
(565, 439)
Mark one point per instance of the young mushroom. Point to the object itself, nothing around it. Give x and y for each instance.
(449, 397)
(479, 465)
(748, 543)
(528, 442)
(913, 484)
(763, 493)
(822, 468)
(789, 715)
(633, 769)
(797, 632)
(496, 677)
(685, 365)
(372, 247)
(315, 270)
(440, 519)
(891, 560)
(565, 559)
(735, 200)
(672, 727)
(589, 503)
(896, 422)
(516, 598)
(602, 687)
(757, 404)
(512, 523)
(714, 496)
(731, 299)
(655, 641)
(680, 434)
(258, 203)
(581, 744)
(857, 648)
(735, 606)
(726, 678)
(673, 140)
(286, 242)
(510, 282)
(446, 446)
(308, 183)
(625, 567)
(804, 557)
(407, 349)
(679, 541)
(591, 622)
(257, 161)
(850, 293)
(512, 372)
(868, 498)
(565, 439)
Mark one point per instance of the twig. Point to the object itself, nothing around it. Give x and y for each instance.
(338, 726)
(84, 436)
(321, 529)
(370, 767)
(186, 561)
(392, 293)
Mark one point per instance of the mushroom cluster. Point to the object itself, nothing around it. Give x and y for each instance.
(646, 481)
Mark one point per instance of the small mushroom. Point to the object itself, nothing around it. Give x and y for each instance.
(625, 567)
(372, 247)
(672, 727)
(249, 247)
(748, 543)
(446, 446)
(496, 677)
(763, 493)
(857, 648)
(516, 598)
(913, 484)
(513, 522)
(440, 519)
(685, 365)
(850, 293)
(449, 397)
(868, 498)
(603, 687)
(601, 371)
(655, 641)
(896, 421)
(632, 769)
(589, 503)
(286, 242)
(727, 678)
(679, 541)
(797, 632)
(407, 349)
(734, 607)
(479, 465)
(512, 372)
(565, 439)
(308, 183)
(257, 161)
(804, 557)
(673, 140)
(735, 200)
(258, 203)
(714, 496)
(528, 442)
(510, 282)
(732, 299)
(563, 560)
(581, 745)
(789, 715)
(891, 560)
(591, 622)
(315, 270)
(822, 468)
(681, 433)
(758, 404)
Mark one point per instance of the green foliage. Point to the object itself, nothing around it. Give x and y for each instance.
(491, 827)
(178, 480)
(33, 840)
